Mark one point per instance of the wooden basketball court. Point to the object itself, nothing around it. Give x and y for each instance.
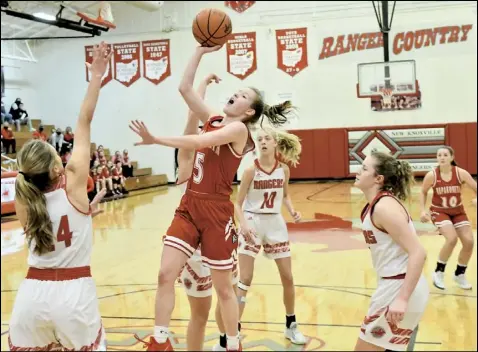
(332, 269)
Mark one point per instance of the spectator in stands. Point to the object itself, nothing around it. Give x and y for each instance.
(117, 157)
(69, 136)
(57, 140)
(118, 178)
(90, 188)
(39, 134)
(102, 157)
(98, 179)
(127, 167)
(8, 139)
(20, 115)
(108, 179)
(111, 169)
(6, 117)
(65, 157)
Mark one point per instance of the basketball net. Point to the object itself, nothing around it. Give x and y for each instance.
(386, 94)
(105, 14)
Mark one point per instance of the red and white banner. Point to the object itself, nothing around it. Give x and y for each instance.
(156, 60)
(239, 6)
(108, 76)
(127, 62)
(291, 50)
(241, 54)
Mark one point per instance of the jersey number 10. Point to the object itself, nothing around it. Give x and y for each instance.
(269, 200)
(449, 204)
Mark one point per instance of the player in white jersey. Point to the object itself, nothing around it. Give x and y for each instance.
(56, 306)
(264, 188)
(398, 257)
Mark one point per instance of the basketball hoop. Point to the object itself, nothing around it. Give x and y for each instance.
(387, 94)
(105, 13)
(105, 16)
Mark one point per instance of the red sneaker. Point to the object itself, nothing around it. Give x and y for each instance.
(154, 345)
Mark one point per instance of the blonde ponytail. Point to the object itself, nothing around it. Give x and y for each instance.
(288, 145)
(35, 162)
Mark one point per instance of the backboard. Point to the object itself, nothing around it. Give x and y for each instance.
(372, 79)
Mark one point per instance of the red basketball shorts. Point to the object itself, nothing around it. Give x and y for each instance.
(455, 217)
(205, 219)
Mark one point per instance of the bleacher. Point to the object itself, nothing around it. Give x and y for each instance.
(142, 177)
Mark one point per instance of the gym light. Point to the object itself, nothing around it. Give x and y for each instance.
(45, 16)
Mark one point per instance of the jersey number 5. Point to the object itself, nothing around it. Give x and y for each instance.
(64, 234)
(198, 166)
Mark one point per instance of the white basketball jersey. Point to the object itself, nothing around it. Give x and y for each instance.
(72, 232)
(266, 191)
(389, 259)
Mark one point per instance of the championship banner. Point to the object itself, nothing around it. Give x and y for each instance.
(291, 50)
(239, 6)
(156, 60)
(108, 76)
(241, 54)
(127, 63)
(8, 189)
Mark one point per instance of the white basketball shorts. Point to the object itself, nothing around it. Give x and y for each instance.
(378, 331)
(57, 315)
(271, 234)
(196, 279)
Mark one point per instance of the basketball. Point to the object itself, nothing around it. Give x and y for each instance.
(212, 27)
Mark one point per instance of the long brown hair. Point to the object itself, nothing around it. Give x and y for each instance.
(35, 160)
(288, 145)
(276, 114)
(397, 175)
(452, 153)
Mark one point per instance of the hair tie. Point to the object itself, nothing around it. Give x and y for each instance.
(24, 175)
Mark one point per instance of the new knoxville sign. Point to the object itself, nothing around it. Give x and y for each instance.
(399, 42)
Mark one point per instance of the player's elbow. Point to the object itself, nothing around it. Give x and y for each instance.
(185, 88)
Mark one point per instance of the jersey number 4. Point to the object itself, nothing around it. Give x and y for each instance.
(64, 234)
(199, 167)
(269, 200)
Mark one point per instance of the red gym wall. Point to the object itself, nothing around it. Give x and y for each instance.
(326, 152)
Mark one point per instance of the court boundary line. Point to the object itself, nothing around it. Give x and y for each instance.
(327, 287)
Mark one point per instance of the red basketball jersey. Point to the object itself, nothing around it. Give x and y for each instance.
(447, 194)
(215, 167)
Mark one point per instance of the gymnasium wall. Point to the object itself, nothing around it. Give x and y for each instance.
(325, 91)
(337, 152)
(18, 83)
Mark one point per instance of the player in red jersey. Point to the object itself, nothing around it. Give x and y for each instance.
(448, 214)
(195, 277)
(206, 213)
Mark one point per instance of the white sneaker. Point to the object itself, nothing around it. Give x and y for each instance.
(462, 282)
(439, 279)
(218, 347)
(294, 335)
